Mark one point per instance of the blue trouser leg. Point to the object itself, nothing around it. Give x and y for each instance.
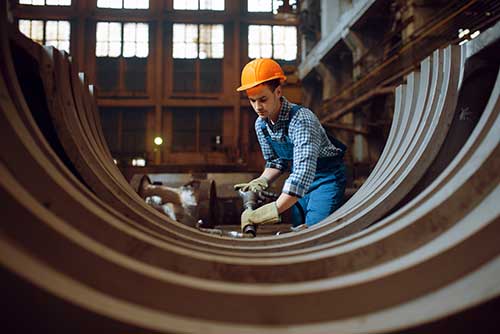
(325, 195)
(298, 211)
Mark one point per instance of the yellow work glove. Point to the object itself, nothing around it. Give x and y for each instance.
(257, 184)
(244, 218)
(266, 214)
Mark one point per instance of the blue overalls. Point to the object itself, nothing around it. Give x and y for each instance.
(326, 192)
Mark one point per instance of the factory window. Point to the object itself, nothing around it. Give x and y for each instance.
(197, 130)
(55, 33)
(267, 5)
(45, 2)
(278, 42)
(198, 41)
(199, 4)
(198, 51)
(121, 56)
(127, 4)
(109, 40)
(125, 131)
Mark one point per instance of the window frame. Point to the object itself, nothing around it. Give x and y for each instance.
(121, 90)
(271, 12)
(171, 92)
(45, 20)
(197, 129)
(283, 61)
(122, 7)
(200, 10)
(45, 5)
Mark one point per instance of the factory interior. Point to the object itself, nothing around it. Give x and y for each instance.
(156, 179)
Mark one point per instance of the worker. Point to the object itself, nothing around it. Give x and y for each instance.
(291, 135)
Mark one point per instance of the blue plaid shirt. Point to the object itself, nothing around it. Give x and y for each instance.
(310, 143)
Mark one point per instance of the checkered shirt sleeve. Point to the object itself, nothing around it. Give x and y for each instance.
(305, 133)
(272, 159)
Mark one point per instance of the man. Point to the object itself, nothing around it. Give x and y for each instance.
(290, 134)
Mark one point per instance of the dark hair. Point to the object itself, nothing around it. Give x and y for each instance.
(272, 84)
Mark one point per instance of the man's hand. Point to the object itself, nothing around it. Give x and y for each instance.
(266, 214)
(257, 184)
(244, 219)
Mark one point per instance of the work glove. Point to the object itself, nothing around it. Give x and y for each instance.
(244, 218)
(266, 214)
(257, 184)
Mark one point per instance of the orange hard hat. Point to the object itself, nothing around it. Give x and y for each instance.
(259, 71)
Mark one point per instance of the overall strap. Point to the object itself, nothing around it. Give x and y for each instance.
(293, 111)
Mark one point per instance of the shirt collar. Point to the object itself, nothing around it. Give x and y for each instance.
(284, 112)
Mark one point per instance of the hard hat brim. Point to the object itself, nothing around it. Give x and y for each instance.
(253, 84)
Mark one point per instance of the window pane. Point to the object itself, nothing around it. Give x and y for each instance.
(185, 38)
(184, 127)
(210, 75)
(179, 50)
(285, 42)
(142, 33)
(64, 31)
(102, 31)
(136, 4)
(64, 45)
(218, 33)
(210, 130)
(109, 3)
(259, 41)
(204, 51)
(135, 74)
(266, 51)
(191, 50)
(47, 2)
(25, 27)
(191, 33)
(179, 32)
(134, 33)
(101, 49)
(102, 3)
(260, 6)
(128, 49)
(142, 50)
(25, 2)
(115, 32)
(186, 4)
(212, 4)
(115, 49)
(51, 28)
(51, 43)
(209, 36)
(37, 31)
(253, 51)
(129, 30)
(109, 39)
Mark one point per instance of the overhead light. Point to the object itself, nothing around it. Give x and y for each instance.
(139, 162)
(463, 42)
(115, 161)
(463, 32)
(475, 34)
(158, 141)
(286, 11)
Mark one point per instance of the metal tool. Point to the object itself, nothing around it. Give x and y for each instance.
(253, 200)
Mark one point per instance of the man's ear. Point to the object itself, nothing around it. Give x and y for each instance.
(278, 91)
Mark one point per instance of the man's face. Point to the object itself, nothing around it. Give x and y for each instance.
(265, 102)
